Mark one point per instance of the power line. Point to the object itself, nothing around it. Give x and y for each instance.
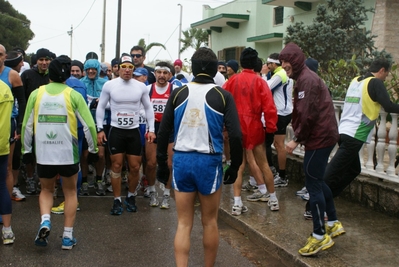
(86, 14)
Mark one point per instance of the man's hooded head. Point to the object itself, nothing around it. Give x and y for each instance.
(204, 61)
(293, 54)
(60, 69)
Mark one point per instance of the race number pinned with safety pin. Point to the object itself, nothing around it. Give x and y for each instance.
(127, 119)
(159, 105)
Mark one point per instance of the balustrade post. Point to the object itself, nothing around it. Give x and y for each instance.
(382, 133)
(392, 147)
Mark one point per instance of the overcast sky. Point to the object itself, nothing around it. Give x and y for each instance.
(153, 20)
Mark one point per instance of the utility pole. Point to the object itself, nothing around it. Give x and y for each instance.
(70, 33)
(118, 30)
(181, 16)
(103, 33)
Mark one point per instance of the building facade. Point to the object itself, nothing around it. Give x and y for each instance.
(262, 25)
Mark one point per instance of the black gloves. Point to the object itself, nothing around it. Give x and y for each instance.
(163, 172)
(28, 158)
(230, 175)
(94, 103)
(92, 157)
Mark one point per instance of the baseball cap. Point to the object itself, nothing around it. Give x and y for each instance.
(140, 72)
(125, 58)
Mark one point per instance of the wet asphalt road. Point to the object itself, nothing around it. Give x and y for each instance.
(138, 239)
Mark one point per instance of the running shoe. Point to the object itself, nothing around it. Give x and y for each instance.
(31, 186)
(313, 245)
(258, 196)
(60, 208)
(305, 197)
(147, 193)
(301, 192)
(308, 215)
(165, 202)
(273, 204)
(130, 203)
(44, 231)
(237, 210)
(91, 183)
(17, 195)
(84, 189)
(248, 187)
(335, 230)
(8, 237)
(274, 171)
(100, 188)
(91, 169)
(125, 176)
(117, 208)
(68, 243)
(154, 199)
(109, 189)
(279, 182)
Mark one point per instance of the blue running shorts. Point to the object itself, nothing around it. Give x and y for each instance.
(197, 172)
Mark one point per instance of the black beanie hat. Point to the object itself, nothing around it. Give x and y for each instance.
(60, 69)
(77, 63)
(233, 64)
(43, 52)
(91, 55)
(248, 58)
(312, 64)
(114, 62)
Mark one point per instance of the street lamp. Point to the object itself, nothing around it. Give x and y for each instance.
(181, 16)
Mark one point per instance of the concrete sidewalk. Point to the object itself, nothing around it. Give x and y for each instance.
(371, 239)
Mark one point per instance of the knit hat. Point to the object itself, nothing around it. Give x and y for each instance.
(77, 63)
(114, 62)
(178, 62)
(248, 58)
(312, 64)
(60, 69)
(43, 53)
(222, 63)
(19, 50)
(91, 55)
(233, 64)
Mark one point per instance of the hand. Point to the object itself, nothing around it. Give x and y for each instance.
(101, 138)
(290, 146)
(163, 172)
(94, 103)
(230, 176)
(28, 158)
(92, 157)
(150, 136)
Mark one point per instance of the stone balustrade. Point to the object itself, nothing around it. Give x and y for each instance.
(378, 157)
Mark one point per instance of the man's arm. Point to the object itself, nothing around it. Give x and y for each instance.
(378, 93)
(89, 127)
(102, 103)
(232, 124)
(19, 93)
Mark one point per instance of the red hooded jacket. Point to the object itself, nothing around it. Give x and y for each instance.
(313, 117)
(252, 97)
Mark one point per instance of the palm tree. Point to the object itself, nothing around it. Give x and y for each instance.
(150, 45)
(194, 38)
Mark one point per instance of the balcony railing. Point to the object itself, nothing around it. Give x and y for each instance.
(378, 157)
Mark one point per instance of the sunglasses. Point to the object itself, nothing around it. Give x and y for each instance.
(136, 55)
(126, 66)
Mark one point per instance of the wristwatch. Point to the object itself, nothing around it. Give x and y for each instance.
(294, 139)
(100, 130)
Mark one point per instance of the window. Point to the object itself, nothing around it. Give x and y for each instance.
(278, 15)
(230, 53)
